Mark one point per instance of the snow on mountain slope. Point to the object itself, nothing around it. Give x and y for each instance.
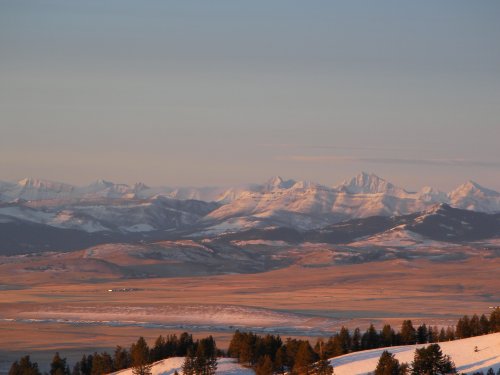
(35, 189)
(429, 194)
(363, 196)
(302, 205)
(225, 366)
(461, 352)
(398, 237)
(159, 213)
(472, 196)
(366, 183)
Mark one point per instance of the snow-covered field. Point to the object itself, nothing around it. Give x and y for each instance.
(362, 363)
(225, 366)
(461, 352)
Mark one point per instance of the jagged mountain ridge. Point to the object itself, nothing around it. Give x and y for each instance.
(105, 206)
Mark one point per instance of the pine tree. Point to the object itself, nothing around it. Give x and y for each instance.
(431, 361)
(370, 338)
(24, 367)
(102, 364)
(463, 328)
(139, 353)
(450, 334)
(206, 357)
(495, 320)
(433, 335)
(121, 358)
(422, 334)
(158, 351)
(356, 340)
(189, 364)
(387, 365)
(442, 335)
(59, 366)
(265, 366)
(304, 359)
(387, 336)
(475, 326)
(408, 333)
(484, 324)
(345, 341)
(322, 367)
(280, 361)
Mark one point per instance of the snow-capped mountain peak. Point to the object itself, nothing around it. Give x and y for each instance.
(368, 183)
(101, 183)
(278, 183)
(472, 188)
(36, 183)
(430, 194)
(472, 196)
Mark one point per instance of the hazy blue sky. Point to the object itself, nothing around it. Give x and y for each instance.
(215, 92)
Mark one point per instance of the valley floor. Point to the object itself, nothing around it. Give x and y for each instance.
(75, 313)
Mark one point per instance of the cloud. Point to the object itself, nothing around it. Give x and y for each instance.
(379, 160)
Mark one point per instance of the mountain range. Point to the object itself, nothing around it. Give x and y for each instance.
(104, 211)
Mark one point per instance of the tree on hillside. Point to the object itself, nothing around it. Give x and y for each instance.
(139, 353)
(24, 367)
(484, 323)
(206, 357)
(387, 336)
(356, 340)
(463, 328)
(189, 364)
(431, 361)
(495, 320)
(121, 358)
(102, 364)
(59, 366)
(370, 339)
(304, 359)
(389, 365)
(265, 366)
(322, 367)
(422, 334)
(475, 326)
(408, 333)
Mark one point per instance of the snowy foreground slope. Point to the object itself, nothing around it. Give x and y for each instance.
(225, 366)
(461, 352)
(362, 363)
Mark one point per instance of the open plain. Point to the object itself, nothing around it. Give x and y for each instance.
(76, 310)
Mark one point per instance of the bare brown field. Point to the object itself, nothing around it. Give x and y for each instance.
(71, 310)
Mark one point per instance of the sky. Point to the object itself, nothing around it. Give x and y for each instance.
(224, 92)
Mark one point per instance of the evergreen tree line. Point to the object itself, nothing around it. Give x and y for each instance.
(139, 356)
(201, 359)
(267, 354)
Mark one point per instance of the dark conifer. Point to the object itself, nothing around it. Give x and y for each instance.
(265, 366)
(59, 366)
(387, 365)
(408, 333)
(356, 340)
(431, 361)
(139, 353)
(24, 367)
(495, 320)
(484, 323)
(387, 336)
(422, 334)
(323, 367)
